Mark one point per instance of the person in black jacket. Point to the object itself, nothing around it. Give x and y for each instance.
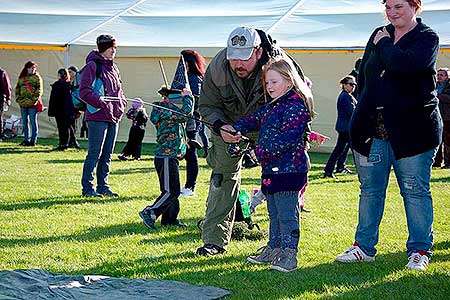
(396, 124)
(139, 118)
(61, 107)
(345, 105)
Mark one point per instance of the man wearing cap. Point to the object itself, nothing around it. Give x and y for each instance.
(231, 89)
(102, 116)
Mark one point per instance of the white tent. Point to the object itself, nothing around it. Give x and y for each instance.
(324, 36)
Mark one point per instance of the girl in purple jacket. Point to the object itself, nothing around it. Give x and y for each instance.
(282, 153)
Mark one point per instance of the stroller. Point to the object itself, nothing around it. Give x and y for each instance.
(11, 127)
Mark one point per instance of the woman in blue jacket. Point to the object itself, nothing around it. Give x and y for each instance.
(396, 124)
(345, 105)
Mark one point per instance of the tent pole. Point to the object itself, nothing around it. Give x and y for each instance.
(67, 56)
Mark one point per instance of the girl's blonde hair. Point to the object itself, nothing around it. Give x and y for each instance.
(285, 67)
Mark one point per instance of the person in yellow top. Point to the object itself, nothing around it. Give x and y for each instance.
(29, 90)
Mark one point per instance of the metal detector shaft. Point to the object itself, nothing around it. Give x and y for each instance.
(114, 99)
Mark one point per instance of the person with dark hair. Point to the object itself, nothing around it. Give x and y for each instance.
(195, 69)
(5, 97)
(396, 125)
(29, 90)
(61, 107)
(102, 116)
(74, 76)
(443, 93)
(346, 104)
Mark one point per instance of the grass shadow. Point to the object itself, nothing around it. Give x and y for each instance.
(89, 235)
(45, 203)
(260, 282)
(445, 245)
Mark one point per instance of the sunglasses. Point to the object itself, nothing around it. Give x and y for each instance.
(351, 83)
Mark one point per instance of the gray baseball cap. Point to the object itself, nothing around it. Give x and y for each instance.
(241, 43)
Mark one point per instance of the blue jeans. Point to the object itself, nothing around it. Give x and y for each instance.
(284, 230)
(413, 177)
(101, 140)
(31, 115)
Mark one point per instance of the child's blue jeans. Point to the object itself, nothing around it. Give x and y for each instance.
(284, 231)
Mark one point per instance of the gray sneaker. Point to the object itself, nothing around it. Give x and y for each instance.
(286, 261)
(266, 256)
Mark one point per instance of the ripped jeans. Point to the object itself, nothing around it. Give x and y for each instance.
(413, 178)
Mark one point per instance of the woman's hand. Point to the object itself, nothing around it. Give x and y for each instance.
(381, 34)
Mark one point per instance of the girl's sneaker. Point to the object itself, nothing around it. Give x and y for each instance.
(122, 157)
(267, 255)
(286, 261)
(354, 254)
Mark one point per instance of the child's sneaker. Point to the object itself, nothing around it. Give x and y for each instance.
(267, 255)
(418, 261)
(149, 217)
(286, 261)
(187, 192)
(122, 157)
(354, 254)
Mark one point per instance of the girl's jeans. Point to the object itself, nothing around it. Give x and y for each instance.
(284, 231)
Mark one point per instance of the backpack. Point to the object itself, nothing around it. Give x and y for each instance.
(271, 49)
(78, 103)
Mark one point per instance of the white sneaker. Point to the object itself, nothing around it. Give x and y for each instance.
(417, 262)
(354, 254)
(186, 192)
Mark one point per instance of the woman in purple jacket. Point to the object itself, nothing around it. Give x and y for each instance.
(102, 117)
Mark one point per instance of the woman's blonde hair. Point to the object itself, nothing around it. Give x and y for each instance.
(285, 67)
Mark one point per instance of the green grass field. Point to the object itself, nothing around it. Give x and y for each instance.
(46, 224)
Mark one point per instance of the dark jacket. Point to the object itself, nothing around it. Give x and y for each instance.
(5, 87)
(109, 111)
(281, 125)
(345, 106)
(399, 80)
(444, 102)
(60, 103)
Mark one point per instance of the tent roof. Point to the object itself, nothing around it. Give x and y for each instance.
(199, 23)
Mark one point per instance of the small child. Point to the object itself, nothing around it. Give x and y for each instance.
(139, 119)
(281, 150)
(170, 148)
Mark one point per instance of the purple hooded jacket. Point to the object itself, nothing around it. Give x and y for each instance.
(109, 111)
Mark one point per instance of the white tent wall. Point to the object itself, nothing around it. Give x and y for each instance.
(151, 30)
(13, 60)
(141, 77)
(326, 68)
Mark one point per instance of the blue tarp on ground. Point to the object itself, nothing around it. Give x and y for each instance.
(41, 285)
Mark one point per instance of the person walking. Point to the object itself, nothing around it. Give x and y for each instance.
(346, 104)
